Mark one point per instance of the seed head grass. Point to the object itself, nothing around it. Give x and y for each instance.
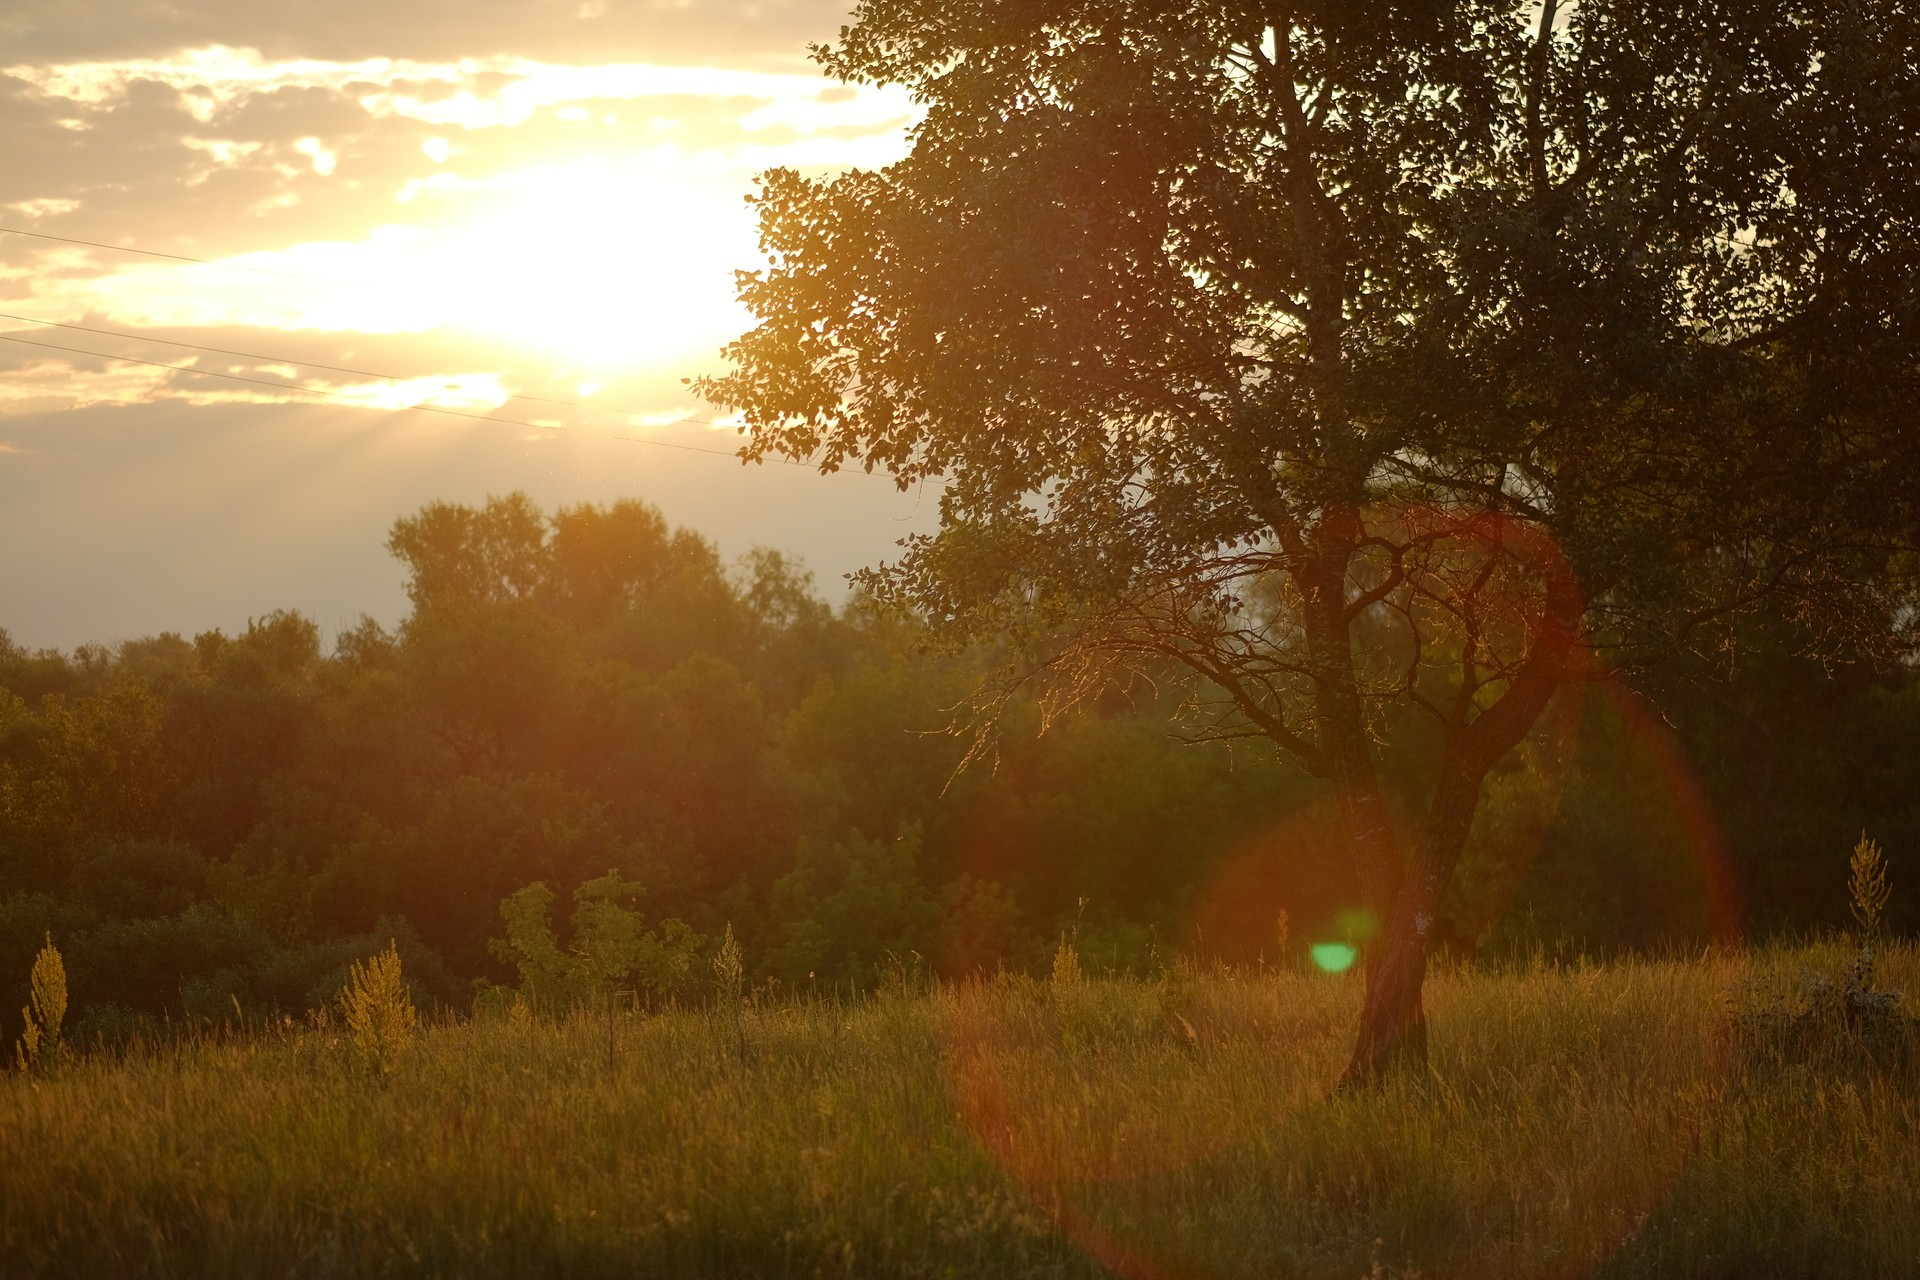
(46, 1010)
(1868, 889)
(378, 1010)
(1577, 1119)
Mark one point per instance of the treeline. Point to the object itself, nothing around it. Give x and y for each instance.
(222, 824)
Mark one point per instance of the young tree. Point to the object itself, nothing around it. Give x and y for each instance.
(1340, 354)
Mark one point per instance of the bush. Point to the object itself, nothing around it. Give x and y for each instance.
(613, 950)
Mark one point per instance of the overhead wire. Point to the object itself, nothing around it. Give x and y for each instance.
(181, 257)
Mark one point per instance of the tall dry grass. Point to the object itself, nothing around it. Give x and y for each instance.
(1578, 1120)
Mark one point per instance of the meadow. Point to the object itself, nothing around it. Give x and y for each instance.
(1608, 1119)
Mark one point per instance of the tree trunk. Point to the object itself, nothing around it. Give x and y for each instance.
(1393, 1023)
(1341, 724)
(1393, 1019)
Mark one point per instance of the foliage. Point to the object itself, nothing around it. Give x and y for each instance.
(729, 971)
(1836, 1025)
(846, 907)
(48, 1010)
(1066, 972)
(378, 1009)
(611, 949)
(1868, 888)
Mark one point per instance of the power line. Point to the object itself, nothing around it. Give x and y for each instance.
(305, 364)
(415, 408)
(181, 257)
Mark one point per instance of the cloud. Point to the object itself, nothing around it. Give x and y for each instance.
(188, 142)
(62, 368)
(470, 93)
(590, 211)
(746, 33)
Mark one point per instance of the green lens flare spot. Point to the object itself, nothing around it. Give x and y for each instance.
(1333, 957)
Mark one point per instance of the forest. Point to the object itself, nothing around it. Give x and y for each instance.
(589, 700)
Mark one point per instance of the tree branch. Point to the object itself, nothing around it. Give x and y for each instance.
(1542, 61)
(1273, 725)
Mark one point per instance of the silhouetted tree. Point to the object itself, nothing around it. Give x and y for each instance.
(1348, 355)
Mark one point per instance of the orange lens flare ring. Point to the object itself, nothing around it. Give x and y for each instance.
(1065, 1182)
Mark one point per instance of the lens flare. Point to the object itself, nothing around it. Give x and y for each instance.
(1333, 957)
(1066, 1124)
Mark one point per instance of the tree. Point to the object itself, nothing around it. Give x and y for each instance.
(1347, 357)
(456, 553)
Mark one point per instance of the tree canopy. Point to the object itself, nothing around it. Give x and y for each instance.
(1343, 356)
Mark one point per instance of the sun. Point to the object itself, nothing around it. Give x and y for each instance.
(603, 264)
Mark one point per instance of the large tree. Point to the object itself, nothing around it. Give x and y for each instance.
(1344, 355)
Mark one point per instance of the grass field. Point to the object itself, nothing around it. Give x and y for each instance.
(1578, 1120)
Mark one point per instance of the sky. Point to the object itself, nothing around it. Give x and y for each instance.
(509, 226)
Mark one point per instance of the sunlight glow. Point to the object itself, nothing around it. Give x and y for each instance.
(611, 265)
(468, 392)
(597, 264)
